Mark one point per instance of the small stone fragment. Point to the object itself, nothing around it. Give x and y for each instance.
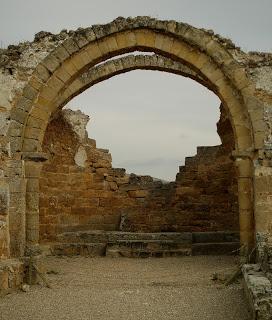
(25, 287)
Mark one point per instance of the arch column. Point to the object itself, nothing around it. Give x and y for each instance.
(16, 206)
(244, 165)
(33, 165)
(4, 220)
(263, 200)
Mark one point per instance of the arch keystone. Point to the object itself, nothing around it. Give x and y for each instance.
(126, 40)
(145, 38)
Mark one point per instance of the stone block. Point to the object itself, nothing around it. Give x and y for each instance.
(90, 250)
(32, 169)
(70, 46)
(30, 92)
(32, 235)
(81, 59)
(42, 72)
(246, 220)
(48, 93)
(138, 193)
(112, 44)
(167, 44)
(4, 280)
(15, 129)
(36, 83)
(212, 72)
(258, 291)
(74, 87)
(63, 75)
(69, 67)
(126, 39)
(32, 201)
(17, 185)
(93, 51)
(145, 38)
(217, 52)
(33, 133)
(35, 122)
(51, 63)
(55, 83)
(113, 186)
(61, 53)
(18, 115)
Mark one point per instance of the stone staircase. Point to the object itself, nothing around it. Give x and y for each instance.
(133, 244)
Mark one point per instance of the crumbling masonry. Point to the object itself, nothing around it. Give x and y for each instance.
(79, 189)
(37, 80)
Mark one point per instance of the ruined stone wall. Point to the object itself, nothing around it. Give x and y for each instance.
(203, 197)
(75, 193)
(79, 189)
(33, 75)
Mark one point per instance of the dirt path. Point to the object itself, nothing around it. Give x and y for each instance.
(130, 289)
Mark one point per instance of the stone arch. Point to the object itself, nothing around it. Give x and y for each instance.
(125, 64)
(206, 54)
(41, 94)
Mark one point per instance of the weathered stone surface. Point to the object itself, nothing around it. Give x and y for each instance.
(77, 121)
(258, 289)
(11, 274)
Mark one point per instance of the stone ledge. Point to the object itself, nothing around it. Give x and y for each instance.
(258, 289)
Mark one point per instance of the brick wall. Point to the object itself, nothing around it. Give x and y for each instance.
(79, 189)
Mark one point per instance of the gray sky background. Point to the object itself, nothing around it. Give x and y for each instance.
(149, 120)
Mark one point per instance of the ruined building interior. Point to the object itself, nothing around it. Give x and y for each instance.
(60, 194)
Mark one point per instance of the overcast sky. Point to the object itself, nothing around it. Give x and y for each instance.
(149, 120)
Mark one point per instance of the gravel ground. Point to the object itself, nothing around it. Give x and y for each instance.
(130, 289)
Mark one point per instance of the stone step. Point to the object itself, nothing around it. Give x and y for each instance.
(144, 249)
(95, 236)
(215, 237)
(78, 249)
(180, 237)
(111, 236)
(221, 248)
(128, 252)
(136, 244)
(149, 244)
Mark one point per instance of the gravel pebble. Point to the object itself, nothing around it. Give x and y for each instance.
(130, 289)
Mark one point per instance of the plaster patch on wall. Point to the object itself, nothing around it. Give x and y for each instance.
(81, 157)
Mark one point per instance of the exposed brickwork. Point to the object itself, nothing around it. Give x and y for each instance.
(79, 190)
(75, 197)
